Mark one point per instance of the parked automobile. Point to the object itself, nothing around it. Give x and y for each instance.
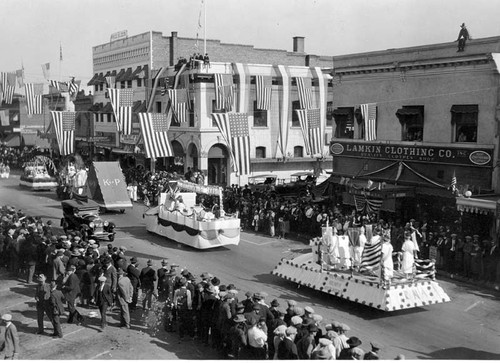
(300, 185)
(262, 183)
(83, 216)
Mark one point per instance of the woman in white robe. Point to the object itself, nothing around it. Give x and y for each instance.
(386, 261)
(408, 250)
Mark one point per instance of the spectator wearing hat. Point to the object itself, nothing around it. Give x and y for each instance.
(374, 353)
(183, 305)
(58, 267)
(490, 260)
(56, 309)
(257, 339)
(162, 280)
(10, 345)
(147, 278)
(71, 290)
(264, 312)
(124, 293)
(42, 297)
(103, 299)
(287, 348)
(346, 353)
(340, 342)
(237, 337)
(289, 311)
(109, 272)
(274, 308)
(207, 307)
(307, 343)
(87, 280)
(278, 335)
(248, 303)
(134, 274)
(325, 350)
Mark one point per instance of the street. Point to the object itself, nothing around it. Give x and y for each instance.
(466, 328)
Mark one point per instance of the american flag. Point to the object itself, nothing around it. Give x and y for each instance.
(179, 99)
(263, 94)
(305, 94)
(34, 104)
(111, 81)
(73, 87)
(309, 120)
(223, 91)
(370, 259)
(369, 113)
(64, 124)
(453, 184)
(154, 128)
(122, 101)
(55, 84)
(9, 85)
(234, 130)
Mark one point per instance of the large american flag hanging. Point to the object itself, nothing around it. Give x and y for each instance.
(110, 81)
(180, 103)
(64, 124)
(370, 260)
(154, 128)
(310, 125)
(234, 130)
(263, 93)
(8, 85)
(224, 91)
(369, 113)
(305, 94)
(122, 101)
(34, 104)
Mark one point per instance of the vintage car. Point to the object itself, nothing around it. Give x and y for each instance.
(300, 185)
(83, 216)
(262, 183)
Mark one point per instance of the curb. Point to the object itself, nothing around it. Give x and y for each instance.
(481, 284)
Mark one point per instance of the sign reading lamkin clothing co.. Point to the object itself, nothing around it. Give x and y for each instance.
(427, 154)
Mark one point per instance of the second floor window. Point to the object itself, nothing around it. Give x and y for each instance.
(464, 121)
(344, 122)
(260, 152)
(298, 151)
(412, 122)
(259, 116)
(295, 117)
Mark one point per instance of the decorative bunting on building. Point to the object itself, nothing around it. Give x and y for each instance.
(284, 107)
(323, 94)
(369, 113)
(34, 98)
(64, 125)
(154, 128)
(223, 91)
(234, 130)
(309, 120)
(367, 205)
(122, 101)
(263, 91)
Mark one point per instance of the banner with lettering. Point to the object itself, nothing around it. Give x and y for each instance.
(107, 186)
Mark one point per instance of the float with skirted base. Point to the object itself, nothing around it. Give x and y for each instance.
(178, 218)
(329, 268)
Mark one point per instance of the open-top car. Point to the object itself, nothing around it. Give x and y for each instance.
(83, 216)
(262, 183)
(300, 185)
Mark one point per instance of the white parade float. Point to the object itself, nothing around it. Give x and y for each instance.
(36, 175)
(331, 269)
(189, 224)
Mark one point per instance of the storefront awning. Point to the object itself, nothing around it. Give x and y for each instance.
(341, 112)
(479, 205)
(137, 72)
(33, 139)
(120, 75)
(13, 140)
(127, 76)
(93, 79)
(464, 109)
(108, 108)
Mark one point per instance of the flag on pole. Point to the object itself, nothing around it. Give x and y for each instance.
(55, 84)
(234, 130)
(453, 184)
(20, 77)
(122, 101)
(46, 70)
(263, 93)
(73, 88)
(64, 125)
(369, 113)
(34, 100)
(305, 94)
(223, 91)
(8, 86)
(154, 128)
(60, 52)
(309, 120)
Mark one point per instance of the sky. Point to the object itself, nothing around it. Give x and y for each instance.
(34, 30)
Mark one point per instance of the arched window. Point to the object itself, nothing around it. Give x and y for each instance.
(260, 152)
(298, 151)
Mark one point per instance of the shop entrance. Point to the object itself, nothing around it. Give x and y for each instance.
(218, 165)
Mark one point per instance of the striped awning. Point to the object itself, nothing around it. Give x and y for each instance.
(408, 112)
(478, 205)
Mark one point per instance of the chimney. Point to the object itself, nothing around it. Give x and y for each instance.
(298, 44)
(173, 48)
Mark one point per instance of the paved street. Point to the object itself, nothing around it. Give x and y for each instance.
(466, 328)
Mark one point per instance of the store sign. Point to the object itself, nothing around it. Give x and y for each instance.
(129, 139)
(425, 154)
(123, 34)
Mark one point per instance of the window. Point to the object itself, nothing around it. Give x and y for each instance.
(260, 152)
(464, 121)
(122, 84)
(295, 118)
(412, 122)
(109, 117)
(259, 116)
(214, 110)
(158, 106)
(139, 82)
(344, 122)
(329, 114)
(298, 151)
(101, 87)
(96, 88)
(129, 84)
(191, 114)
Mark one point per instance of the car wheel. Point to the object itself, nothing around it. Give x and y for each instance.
(122, 211)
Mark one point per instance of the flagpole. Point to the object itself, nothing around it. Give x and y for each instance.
(204, 27)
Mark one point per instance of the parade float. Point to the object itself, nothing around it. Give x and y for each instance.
(331, 268)
(178, 218)
(36, 174)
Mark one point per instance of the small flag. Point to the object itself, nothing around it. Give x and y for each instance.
(34, 100)
(263, 94)
(154, 128)
(453, 183)
(122, 101)
(8, 86)
(46, 70)
(73, 87)
(369, 113)
(64, 125)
